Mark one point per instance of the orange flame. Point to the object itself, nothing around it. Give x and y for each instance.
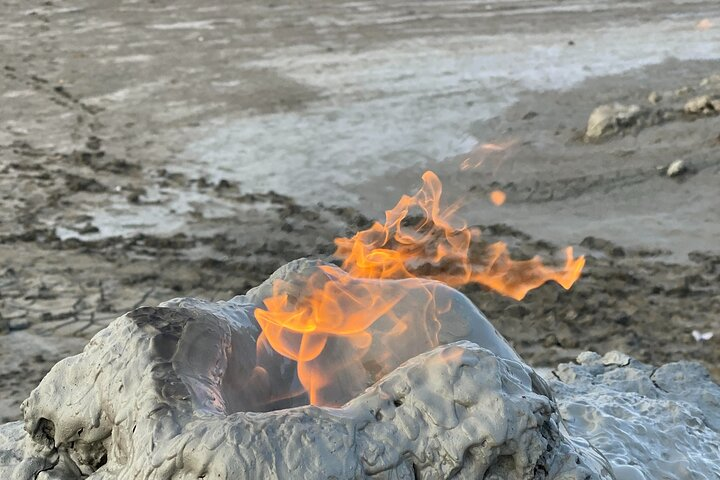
(482, 152)
(340, 309)
(497, 197)
(326, 328)
(394, 250)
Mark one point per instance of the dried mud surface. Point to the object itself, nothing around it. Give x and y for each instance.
(88, 126)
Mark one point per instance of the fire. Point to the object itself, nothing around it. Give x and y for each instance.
(497, 197)
(483, 152)
(342, 310)
(493, 147)
(439, 247)
(336, 319)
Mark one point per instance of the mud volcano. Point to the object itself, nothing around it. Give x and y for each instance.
(174, 392)
(181, 391)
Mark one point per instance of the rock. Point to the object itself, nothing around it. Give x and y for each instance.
(93, 143)
(650, 423)
(607, 120)
(710, 81)
(616, 358)
(223, 184)
(654, 97)
(703, 105)
(20, 323)
(77, 183)
(550, 340)
(88, 229)
(682, 91)
(676, 168)
(605, 246)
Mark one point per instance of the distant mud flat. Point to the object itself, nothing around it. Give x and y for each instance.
(104, 209)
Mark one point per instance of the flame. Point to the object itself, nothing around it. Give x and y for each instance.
(497, 197)
(704, 24)
(482, 152)
(327, 328)
(336, 310)
(442, 250)
(493, 147)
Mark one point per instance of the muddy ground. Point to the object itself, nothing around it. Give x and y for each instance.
(103, 210)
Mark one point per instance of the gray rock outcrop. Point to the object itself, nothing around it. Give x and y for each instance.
(607, 120)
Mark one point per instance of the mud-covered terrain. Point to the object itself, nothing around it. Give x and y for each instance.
(113, 123)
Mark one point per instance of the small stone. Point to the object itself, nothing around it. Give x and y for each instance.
(681, 92)
(676, 168)
(20, 323)
(93, 143)
(223, 184)
(654, 97)
(610, 119)
(702, 105)
(88, 229)
(133, 197)
(588, 358)
(568, 341)
(712, 79)
(615, 358)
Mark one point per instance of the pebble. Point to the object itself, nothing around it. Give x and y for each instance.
(712, 79)
(654, 97)
(704, 104)
(615, 358)
(676, 168)
(612, 118)
(20, 323)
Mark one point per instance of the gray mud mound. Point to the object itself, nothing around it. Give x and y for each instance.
(649, 422)
(165, 392)
(172, 392)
